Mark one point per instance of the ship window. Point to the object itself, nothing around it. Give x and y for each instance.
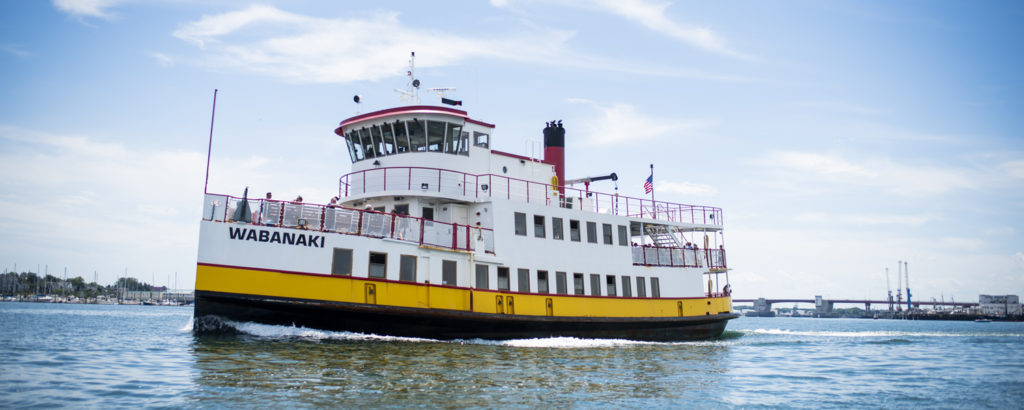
(428, 213)
(368, 147)
(401, 137)
(502, 278)
(538, 226)
(623, 236)
(351, 148)
(595, 284)
(341, 263)
(577, 283)
(626, 291)
(435, 136)
(453, 138)
(378, 143)
(378, 265)
(592, 232)
(401, 209)
(366, 143)
(407, 268)
(448, 274)
(560, 287)
(542, 281)
(609, 281)
(480, 139)
(388, 137)
(357, 145)
(655, 289)
(464, 144)
(417, 136)
(574, 230)
(520, 223)
(641, 287)
(524, 280)
(481, 276)
(556, 228)
(606, 231)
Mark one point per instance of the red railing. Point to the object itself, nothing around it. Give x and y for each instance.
(681, 257)
(350, 221)
(455, 183)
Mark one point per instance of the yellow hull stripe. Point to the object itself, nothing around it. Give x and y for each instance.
(360, 290)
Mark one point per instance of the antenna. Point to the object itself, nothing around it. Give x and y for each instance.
(411, 91)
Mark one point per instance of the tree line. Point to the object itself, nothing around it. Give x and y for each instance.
(30, 283)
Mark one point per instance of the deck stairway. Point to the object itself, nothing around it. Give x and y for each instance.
(663, 236)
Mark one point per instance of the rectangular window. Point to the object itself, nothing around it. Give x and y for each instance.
(560, 285)
(595, 284)
(655, 289)
(606, 231)
(542, 281)
(407, 268)
(610, 284)
(538, 226)
(341, 264)
(428, 213)
(480, 139)
(378, 265)
(524, 280)
(481, 276)
(577, 283)
(448, 273)
(574, 230)
(641, 287)
(520, 223)
(592, 232)
(556, 228)
(626, 287)
(623, 235)
(502, 278)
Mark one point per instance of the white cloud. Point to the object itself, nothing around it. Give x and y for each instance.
(299, 48)
(685, 188)
(86, 8)
(1014, 169)
(895, 178)
(623, 123)
(14, 49)
(651, 14)
(162, 59)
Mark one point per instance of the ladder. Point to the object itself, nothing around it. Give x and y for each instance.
(663, 236)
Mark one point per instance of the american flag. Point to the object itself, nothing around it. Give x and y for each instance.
(649, 184)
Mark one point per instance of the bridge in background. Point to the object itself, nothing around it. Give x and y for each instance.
(826, 305)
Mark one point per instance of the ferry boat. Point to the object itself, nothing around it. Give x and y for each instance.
(438, 235)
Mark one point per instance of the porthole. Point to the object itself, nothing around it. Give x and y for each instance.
(504, 170)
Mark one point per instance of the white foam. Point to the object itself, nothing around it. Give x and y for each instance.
(560, 343)
(281, 332)
(188, 326)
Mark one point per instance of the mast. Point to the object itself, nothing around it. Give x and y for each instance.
(906, 271)
(209, 145)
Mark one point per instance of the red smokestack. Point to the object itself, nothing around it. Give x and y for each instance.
(554, 151)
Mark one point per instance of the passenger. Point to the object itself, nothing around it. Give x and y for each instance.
(265, 212)
(688, 246)
(333, 203)
(368, 207)
(298, 199)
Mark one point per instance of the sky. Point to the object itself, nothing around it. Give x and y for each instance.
(838, 137)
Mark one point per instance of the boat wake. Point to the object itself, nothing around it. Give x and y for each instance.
(304, 333)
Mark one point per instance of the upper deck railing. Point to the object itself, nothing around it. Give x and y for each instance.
(314, 217)
(472, 186)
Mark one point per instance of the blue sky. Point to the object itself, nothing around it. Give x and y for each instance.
(838, 137)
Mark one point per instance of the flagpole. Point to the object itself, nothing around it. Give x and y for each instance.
(209, 146)
(652, 184)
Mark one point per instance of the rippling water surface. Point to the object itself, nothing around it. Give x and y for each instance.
(131, 356)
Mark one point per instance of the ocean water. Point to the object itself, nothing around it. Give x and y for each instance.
(146, 356)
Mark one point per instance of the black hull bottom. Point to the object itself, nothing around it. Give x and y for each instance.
(211, 307)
